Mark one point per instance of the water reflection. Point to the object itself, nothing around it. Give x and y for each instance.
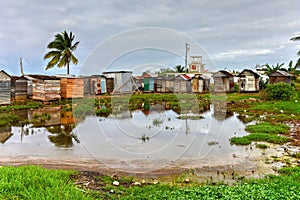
(5, 133)
(62, 135)
(57, 123)
(153, 133)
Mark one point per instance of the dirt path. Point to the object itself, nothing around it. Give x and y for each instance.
(228, 171)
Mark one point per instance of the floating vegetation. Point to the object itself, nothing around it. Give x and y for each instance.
(212, 143)
(157, 122)
(170, 128)
(262, 146)
(144, 138)
(191, 117)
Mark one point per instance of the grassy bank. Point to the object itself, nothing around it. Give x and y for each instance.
(30, 182)
(37, 183)
(264, 132)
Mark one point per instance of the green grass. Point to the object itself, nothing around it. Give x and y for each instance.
(272, 187)
(241, 96)
(8, 119)
(259, 137)
(33, 182)
(21, 106)
(29, 182)
(288, 107)
(262, 146)
(266, 127)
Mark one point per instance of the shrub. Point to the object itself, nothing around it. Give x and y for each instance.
(279, 91)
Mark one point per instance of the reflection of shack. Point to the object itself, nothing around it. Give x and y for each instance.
(5, 133)
(47, 116)
(122, 81)
(223, 81)
(67, 117)
(149, 82)
(200, 83)
(279, 76)
(182, 84)
(249, 81)
(19, 86)
(71, 87)
(5, 88)
(164, 84)
(138, 83)
(44, 88)
(220, 110)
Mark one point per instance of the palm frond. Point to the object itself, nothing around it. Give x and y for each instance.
(51, 54)
(74, 59)
(74, 47)
(63, 47)
(295, 38)
(53, 62)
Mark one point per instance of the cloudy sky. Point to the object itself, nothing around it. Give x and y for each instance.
(138, 35)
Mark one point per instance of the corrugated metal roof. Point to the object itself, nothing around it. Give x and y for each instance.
(42, 77)
(256, 75)
(280, 73)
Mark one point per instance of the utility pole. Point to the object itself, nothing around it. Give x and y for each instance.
(21, 66)
(186, 54)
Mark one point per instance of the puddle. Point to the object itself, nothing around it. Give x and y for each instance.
(136, 141)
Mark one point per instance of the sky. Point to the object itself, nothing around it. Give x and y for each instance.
(149, 35)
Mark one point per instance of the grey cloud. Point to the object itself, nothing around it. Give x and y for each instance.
(233, 32)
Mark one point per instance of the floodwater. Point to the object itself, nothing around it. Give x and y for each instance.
(129, 140)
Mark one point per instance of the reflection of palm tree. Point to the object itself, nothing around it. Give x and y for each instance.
(62, 135)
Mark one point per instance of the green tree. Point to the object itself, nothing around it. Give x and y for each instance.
(61, 51)
(179, 69)
(293, 69)
(298, 53)
(270, 69)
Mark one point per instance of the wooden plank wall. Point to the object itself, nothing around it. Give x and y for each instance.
(72, 87)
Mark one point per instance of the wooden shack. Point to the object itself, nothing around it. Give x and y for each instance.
(122, 81)
(109, 85)
(5, 88)
(149, 82)
(182, 84)
(200, 83)
(248, 81)
(223, 81)
(19, 88)
(86, 85)
(45, 88)
(71, 87)
(280, 76)
(95, 84)
(164, 84)
(138, 83)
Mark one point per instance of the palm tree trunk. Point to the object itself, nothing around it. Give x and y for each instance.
(68, 68)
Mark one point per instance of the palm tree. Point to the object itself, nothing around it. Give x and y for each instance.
(295, 39)
(179, 69)
(61, 51)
